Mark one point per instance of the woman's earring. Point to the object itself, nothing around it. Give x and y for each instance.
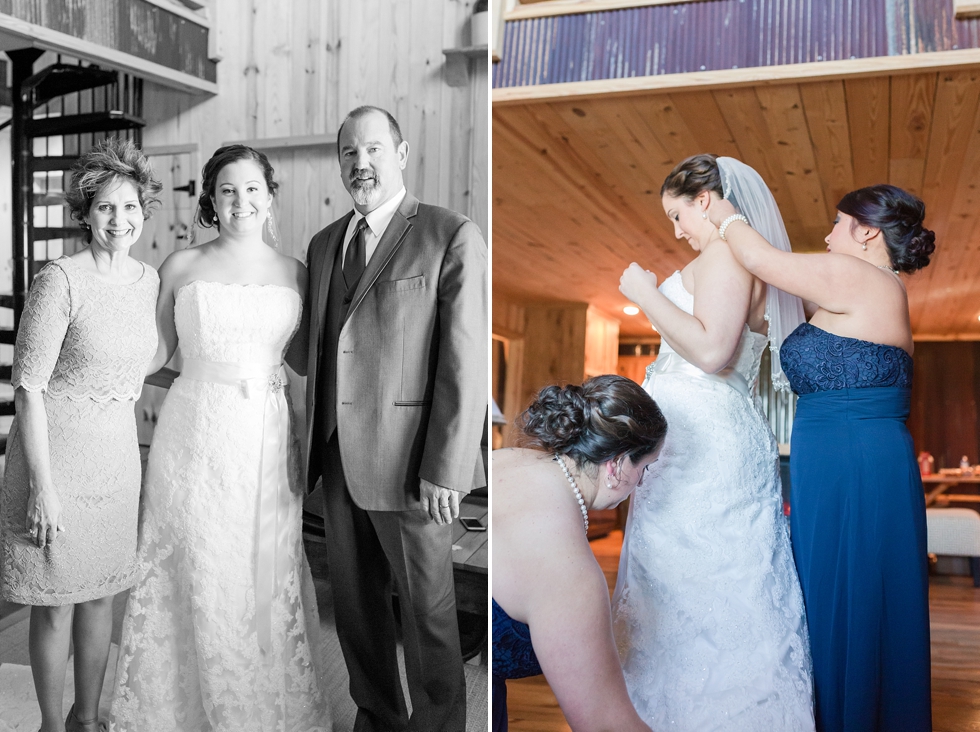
(864, 246)
(704, 215)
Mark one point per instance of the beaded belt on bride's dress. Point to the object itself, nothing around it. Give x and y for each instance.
(272, 540)
(672, 363)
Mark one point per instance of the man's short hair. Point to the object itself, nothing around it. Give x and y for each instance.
(396, 131)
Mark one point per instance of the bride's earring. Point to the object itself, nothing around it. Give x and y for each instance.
(704, 215)
(864, 246)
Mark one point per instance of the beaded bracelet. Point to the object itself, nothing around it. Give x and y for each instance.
(729, 220)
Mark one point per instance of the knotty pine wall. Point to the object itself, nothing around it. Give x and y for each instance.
(289, 72)
(292, 69)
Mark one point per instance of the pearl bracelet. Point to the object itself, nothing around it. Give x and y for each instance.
(729, 220)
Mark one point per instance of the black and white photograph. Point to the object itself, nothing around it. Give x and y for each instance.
(244, 352)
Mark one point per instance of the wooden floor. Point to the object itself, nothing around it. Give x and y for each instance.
(954, 608)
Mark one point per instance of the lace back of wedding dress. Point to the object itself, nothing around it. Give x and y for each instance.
(707, 610)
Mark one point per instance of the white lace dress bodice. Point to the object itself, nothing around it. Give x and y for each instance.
(750, 346)
(194, 656)
(707, 611)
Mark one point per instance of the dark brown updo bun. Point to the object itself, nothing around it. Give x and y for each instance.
(898, 215)
(207, 217)
(603, 419)
(693, 176)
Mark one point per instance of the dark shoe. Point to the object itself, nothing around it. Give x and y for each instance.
(74, 724)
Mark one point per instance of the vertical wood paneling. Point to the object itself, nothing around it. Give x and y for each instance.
(274, 43)
(601, 342)
(741, 109)
(782, 108)
(296, 67)
(911, 122)
(868, 118)
(945, 400)
(554, 347)
(826, 115)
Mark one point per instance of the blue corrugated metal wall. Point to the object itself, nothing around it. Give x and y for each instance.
(723, 34)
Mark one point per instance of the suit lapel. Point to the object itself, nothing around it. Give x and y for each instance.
(393, 237)
(325, 269)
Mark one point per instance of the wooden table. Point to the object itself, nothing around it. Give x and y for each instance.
(471, 558)
(939, 484)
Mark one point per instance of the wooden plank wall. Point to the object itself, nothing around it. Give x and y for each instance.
(576, 181)
(294, 69)
(945, 416)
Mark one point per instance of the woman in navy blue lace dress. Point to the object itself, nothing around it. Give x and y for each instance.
(858, 509)
(591, 447)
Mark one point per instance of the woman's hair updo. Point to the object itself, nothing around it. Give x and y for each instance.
(898, 215)
(206, 215)
(692, 177)
(604, 418)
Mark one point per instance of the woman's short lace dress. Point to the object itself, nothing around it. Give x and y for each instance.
(86, 344)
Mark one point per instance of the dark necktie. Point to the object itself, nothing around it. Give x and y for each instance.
(354, 260)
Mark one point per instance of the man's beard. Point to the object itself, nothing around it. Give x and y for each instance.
(365, 191)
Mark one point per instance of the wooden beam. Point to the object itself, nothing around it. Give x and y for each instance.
(178, 149)
(571, 7)
(728, 78)
(934, 338)
(182, 10)
(966, 8)
(282, 143)
(16, 33)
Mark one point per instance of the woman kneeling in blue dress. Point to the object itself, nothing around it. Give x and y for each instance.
(590, 447)
(858, 509)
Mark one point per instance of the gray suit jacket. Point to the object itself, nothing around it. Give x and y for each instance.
(412, 358)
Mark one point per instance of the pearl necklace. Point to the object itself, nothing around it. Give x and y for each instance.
(576, 491)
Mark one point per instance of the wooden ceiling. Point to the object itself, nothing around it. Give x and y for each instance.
(576, 182)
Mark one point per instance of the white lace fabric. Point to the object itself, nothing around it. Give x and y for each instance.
(85, 344)
(190, 658)
(708, 612)
(748, 192)
(77, 335)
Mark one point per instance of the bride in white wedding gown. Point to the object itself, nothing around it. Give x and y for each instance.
(708, 612)
(218, 632)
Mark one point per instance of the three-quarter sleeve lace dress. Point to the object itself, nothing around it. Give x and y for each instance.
(86, 344)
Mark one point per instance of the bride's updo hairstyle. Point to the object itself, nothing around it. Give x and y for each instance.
(603, 419)
(693, 176)
(898, 214)
(206, 215)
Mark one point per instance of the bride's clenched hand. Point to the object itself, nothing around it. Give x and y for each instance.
(636, 282)
(719, 209)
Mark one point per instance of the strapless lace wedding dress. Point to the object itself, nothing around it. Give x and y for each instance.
(707, 610)
(219, 630)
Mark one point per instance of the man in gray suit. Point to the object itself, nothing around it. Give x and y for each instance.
(396, 321)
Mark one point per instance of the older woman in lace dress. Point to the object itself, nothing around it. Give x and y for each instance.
(70, 496)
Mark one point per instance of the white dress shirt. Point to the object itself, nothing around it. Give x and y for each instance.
(377, 223)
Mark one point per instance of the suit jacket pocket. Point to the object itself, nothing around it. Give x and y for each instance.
(410, 283)
(413, 404)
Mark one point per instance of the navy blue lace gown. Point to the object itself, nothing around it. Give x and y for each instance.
(513, 658)
(859, 532)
